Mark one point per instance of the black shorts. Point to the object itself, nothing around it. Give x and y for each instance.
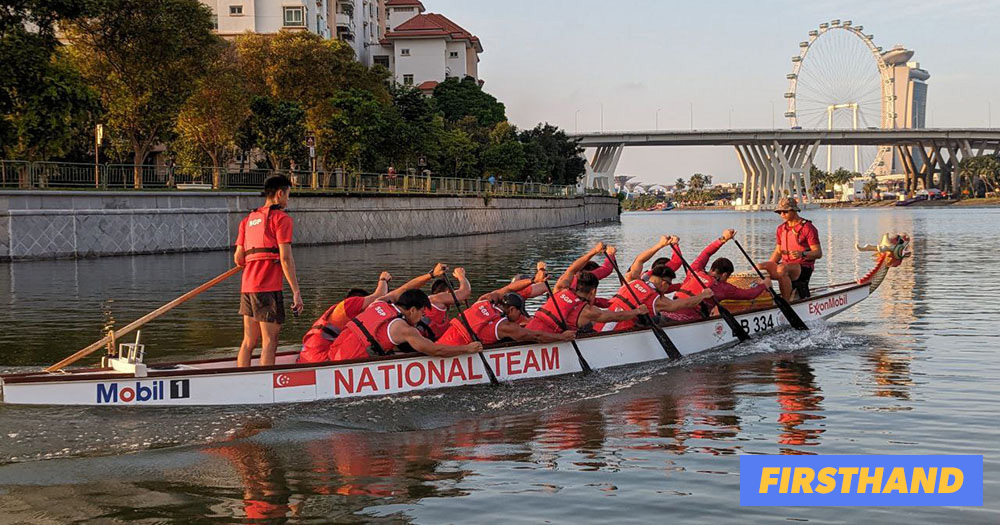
(801, 285)
(263, 307)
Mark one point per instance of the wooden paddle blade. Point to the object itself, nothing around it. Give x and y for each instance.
(789, 312)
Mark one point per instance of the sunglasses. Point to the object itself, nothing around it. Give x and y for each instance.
(782, 212)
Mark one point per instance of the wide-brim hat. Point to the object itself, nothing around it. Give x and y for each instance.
(787, 204)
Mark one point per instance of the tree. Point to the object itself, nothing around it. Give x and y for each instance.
(697, 182)
(277, 128)
(870, 187)
(43, 102)
(985, 168)
(360, 130)
(211, 117)
(549, 153)
(143, 57)
(461, 98)
(504, 156)
(679, 185)
(53, 118)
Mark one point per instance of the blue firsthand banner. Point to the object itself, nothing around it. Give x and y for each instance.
(790, 481)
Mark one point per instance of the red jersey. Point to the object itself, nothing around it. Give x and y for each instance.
(264, 274)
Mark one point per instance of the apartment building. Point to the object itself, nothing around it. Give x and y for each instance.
(422, 49)
(234, 17)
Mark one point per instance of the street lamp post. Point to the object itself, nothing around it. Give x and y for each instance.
(657, 119)
(602, 117)
(576, 121)
(691, 112)
(98, 139)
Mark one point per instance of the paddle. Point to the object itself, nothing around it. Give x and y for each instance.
(143, 320)
(786, 309)
(475, 336)
(564, 326)
(668, 346)
(734, 325)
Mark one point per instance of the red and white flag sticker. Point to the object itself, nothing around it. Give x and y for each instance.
(299, 378)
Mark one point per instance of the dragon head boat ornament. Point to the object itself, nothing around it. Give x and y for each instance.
(889, 253)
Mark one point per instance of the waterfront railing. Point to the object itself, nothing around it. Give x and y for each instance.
(23, 175)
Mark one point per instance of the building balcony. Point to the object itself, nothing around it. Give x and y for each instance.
(345, 23)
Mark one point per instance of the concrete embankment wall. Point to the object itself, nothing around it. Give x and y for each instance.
(49, 224)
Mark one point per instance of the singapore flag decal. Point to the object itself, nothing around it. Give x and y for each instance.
(295, 385)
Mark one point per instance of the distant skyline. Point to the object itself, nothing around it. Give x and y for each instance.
(558, 61)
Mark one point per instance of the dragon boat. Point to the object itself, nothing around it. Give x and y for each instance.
(125, 380)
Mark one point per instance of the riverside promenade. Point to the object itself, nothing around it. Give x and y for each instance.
(76, 224)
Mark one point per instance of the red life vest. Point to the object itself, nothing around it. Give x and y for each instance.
(368, 333)
(623, 301)
(565, 302)
(793, 239)
(259, 241)
(436, 320)
(691, 287)
(483, 317)
(320, 337)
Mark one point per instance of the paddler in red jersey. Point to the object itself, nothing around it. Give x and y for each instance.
(649, 292)
(572, 309)
(796, 252)
(383, 326)
(264, 250)
(435, 319)
(316, 342)
(497, 321)
(714, 279)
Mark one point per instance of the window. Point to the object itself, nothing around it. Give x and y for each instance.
(235, 10)
(215, 22)
(405, 52)
(382, 60)
(294, 17)
(453, 54)
(407, 80)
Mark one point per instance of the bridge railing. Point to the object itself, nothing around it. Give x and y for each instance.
(24, 175)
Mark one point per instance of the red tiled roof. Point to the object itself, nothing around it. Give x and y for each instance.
(433, 24)
(396, 3)
(428, 85)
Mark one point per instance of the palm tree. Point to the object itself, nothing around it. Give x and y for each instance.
(870, 187)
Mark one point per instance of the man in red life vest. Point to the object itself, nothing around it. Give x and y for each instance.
(384, 326)
(497, 321)
(650, 292)
(317, 341)
(715, 279)
(796, 252)
(572, 309)
(264, 250)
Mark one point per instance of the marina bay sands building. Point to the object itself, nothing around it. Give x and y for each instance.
(908, 103)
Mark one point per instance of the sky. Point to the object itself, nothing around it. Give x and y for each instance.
(558, 61)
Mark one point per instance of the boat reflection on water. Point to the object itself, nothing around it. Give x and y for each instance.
(800, 400)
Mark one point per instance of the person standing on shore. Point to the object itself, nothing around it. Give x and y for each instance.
(795, 255)
(264, 250)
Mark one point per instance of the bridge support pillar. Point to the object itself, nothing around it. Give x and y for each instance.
(772, 171)
(600, 170)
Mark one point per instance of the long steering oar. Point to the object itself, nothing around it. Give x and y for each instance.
(143, 320)
(562, 324)
(475, 336)
(793, 318)
(668, 346)
(734, 325)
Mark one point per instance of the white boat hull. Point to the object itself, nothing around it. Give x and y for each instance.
(218, 382)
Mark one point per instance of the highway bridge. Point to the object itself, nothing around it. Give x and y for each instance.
(777, 162)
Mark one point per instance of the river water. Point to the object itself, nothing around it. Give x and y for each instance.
(912, 370)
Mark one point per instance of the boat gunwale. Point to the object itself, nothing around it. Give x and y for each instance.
(92, 374)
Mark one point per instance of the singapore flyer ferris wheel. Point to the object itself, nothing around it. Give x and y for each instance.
(840, 81)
